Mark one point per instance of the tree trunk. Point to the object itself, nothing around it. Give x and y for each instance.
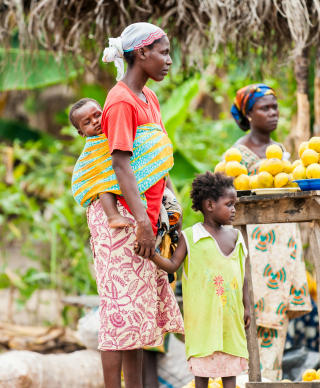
(316, 128)
(301, 69)
(3, 101)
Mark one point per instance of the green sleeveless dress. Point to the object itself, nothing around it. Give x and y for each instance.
(212, 296)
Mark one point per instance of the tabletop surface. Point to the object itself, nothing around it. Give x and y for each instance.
(273, 197)
(302, 206)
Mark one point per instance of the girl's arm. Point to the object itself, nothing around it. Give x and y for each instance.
(172, 264)
(246, 303)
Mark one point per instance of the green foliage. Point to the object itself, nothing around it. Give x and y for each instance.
(183, 170)
(21, 70)
(201, 141)
(40, 206)
(175, 110)
(96, 92)
(12, 130)
(204, 141)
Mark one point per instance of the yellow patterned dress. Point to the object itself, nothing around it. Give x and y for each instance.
(279, 281)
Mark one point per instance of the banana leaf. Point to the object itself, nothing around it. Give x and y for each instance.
(21, 70)
(175, 110)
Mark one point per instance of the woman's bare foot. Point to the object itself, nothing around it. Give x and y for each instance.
(118, 221)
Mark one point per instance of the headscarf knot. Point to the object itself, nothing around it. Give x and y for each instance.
(114, 53)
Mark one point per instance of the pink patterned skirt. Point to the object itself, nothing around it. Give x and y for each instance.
(218, 364)
(137, 304)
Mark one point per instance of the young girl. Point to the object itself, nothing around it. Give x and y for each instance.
(215, 290)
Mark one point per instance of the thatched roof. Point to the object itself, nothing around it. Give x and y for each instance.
(82, 26)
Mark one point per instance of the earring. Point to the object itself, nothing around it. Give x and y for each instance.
(249, 118)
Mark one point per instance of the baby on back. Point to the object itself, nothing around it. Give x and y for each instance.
(85, 115)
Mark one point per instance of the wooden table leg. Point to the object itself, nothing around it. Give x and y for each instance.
(252, 339)
(314, 238)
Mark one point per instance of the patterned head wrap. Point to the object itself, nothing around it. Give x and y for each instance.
(245, 99)
(132, 38)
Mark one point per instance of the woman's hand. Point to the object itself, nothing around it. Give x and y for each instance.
(145, 243)
(247, 318)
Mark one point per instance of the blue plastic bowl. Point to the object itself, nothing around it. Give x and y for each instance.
(308, 184)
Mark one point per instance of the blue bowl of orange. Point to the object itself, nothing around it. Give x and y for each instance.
(308, 184)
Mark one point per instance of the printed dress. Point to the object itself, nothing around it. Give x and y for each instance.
(137, 304)
(279, 281)
(212, 284)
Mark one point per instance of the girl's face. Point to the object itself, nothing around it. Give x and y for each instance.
(223, 211)
(264, 114)
(88, 118)
(157, 60)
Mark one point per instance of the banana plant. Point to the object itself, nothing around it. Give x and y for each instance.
(23, 70)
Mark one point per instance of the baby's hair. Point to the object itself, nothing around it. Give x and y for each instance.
(209, 186)
(77, 106)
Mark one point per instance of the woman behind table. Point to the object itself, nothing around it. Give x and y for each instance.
(137, 304)
(278, 270)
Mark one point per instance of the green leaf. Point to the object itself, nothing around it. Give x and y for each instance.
(4, 281)
(183, 170)
(37, 276)
(21, 70)
(15, 279)
(175, 110)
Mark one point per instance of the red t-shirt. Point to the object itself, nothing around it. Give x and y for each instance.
(123, 112)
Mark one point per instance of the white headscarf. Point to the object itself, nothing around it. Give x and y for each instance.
(133, 37)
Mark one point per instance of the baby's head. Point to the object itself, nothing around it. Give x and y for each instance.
(85, 116)
(215, 196)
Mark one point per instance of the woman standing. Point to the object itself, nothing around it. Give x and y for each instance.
(137, 304)
(278, 270)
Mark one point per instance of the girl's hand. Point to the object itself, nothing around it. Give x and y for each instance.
(246, 319)
(136, 250)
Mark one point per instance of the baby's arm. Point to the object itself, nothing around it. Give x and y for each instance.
(172, 264)
(246, 303)
(109, 205)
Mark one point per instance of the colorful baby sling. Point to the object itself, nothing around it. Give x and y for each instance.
(152, 159)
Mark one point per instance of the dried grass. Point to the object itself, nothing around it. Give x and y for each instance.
(80, 26)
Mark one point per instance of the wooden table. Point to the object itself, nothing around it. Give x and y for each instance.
(303, 206)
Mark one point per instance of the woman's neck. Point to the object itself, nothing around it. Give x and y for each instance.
(135, 79)
(259, 138)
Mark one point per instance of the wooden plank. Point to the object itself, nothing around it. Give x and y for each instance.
(296, 384)
(252, 339)
(314, 238)
(282, 210)
(273, 197)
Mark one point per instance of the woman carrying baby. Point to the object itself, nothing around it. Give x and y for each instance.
(137, 305)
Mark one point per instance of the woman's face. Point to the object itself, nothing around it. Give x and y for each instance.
(157, 60)
(264, 114)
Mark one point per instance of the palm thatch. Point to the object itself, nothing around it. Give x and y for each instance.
(82, 26)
